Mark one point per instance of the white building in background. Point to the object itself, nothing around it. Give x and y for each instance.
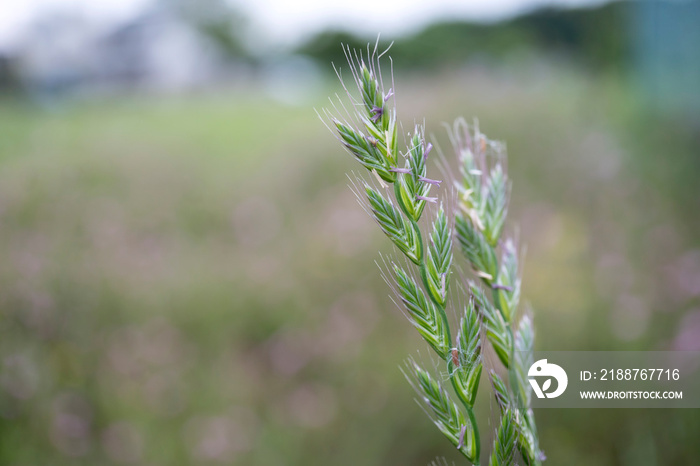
(156, 51)
(160, 52)
(55, 54)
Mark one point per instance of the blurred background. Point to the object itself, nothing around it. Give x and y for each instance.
(187, 279)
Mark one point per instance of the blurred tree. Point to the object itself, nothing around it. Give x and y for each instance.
(325, 46)
(595, 37)
(9, 81)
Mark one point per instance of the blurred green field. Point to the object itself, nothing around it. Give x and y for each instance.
(190, 280)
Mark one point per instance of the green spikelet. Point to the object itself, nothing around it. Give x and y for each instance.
(465, 361)
(458, 429)
(497, 329)
(422, 312)
(475, 248)
(403, 233)
(504, 446)
(439, 259)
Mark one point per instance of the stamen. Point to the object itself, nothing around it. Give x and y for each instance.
(498, 286)
(462, 433)
(427, 199)
(429, 181)
(455, 357)
(378, 112)
(428, 148)
(400, 170)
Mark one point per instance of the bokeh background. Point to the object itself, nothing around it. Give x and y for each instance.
(186, 278)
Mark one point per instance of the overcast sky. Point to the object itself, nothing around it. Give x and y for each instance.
(282, 21)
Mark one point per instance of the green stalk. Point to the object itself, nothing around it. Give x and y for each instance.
(443, 315)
